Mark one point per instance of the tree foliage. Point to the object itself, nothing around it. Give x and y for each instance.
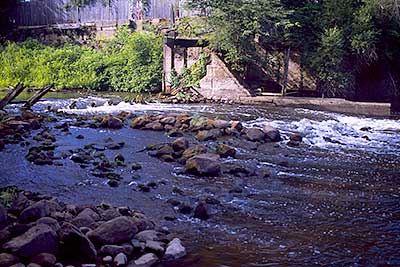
(336, 40)
(130, 62)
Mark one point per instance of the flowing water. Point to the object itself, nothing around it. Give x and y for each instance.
(332, 201)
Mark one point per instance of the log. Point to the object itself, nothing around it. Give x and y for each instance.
(36, 97)
(12, 95)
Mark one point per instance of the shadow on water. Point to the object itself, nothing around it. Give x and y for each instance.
(323, 203)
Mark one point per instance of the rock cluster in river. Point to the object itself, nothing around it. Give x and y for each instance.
(40, 231)
(199, 159)
(14, 129)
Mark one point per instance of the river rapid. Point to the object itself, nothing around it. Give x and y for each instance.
(332, 201)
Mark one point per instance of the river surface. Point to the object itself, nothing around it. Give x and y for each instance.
(332, 201)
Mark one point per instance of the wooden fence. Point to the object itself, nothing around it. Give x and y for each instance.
(51, 12)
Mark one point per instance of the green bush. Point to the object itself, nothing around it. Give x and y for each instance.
(130, 62)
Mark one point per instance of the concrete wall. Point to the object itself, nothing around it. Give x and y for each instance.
(220, 82)
(193, 54)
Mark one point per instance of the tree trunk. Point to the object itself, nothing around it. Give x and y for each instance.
(286, 71)
(12, 95)
(36, 97)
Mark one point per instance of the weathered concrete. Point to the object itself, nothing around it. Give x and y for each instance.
(220, 82)
(327, 104)
(178, 55)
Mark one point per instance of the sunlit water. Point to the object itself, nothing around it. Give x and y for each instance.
(333, 201)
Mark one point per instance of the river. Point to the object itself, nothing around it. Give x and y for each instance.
(332, 201)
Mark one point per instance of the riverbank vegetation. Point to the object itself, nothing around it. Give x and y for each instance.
(347, 45)
(129, 62)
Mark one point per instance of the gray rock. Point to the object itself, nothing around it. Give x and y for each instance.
(147, 235)
(39, 239)
(109, 214)
(120, 260)
(107, 259)
(7, 259)
(91, 213)
(204, 165)
(38, 210)
(45, 259)
(111, 122)
(180, 144)
(155, 246)
(20, 203)
(50, 222)
(254, 134)
(75, 245)
(116, 231)
(112, 250)
(226, 151)
(175, 250)
(34, 265)
(58, 264)
(147, 260)
(17, 265)
(221, 124)
(272, 134)
(83, 220)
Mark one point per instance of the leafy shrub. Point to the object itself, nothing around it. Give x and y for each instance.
(130, 62)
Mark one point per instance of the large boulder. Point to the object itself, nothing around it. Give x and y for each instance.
(271, 134)
(155, 126)
(225, 151)
(19, 204)
(111, 122)
(175, 250)
(207, 135)
(168, 120)
(147, 260)
(254, 134)
(38, 210)
(74, 244)
(116, 231)
(237, 125)
(203, 165)
(45, 260)
(7, 259)
(221, 124)
(180, 144)
(193, 151)
(140, 122)
(39, 239)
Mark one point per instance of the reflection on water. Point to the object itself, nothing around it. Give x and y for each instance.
(333, 201)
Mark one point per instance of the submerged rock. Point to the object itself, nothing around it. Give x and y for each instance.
(201, 212)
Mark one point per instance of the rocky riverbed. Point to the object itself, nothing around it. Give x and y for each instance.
(240, 186)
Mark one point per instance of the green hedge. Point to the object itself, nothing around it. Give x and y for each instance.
(130, 62)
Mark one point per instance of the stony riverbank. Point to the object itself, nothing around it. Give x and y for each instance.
(38, 230)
